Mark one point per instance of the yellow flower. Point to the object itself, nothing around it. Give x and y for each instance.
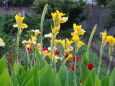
(80, 43)
(69, 56)
(56, 30)
(58, 17)
(78, 29)
(38, 46)
(104, 35)
(19, 22)
(56, 42)
(66, 43)
(49, 54)
(37, 32)
(56, 58)
(110, 40)
(75, 37)
(33, 38)
(2, 42)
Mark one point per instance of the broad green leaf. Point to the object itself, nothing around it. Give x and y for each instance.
(106, 81)
(112, 79)
(5, 79)
(50, 78)
(30, 82)
(89, 80)
(2, 64)
(97, 81)
(21, 78)
(18, 69)
(29, 75)
(15, 80)
(63, 75)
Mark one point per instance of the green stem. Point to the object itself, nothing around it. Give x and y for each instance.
(41, 24)
(18, 40)
(90, 40)
(101, 53)
(110, 50)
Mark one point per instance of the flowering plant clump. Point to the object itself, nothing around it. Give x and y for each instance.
(59, 63)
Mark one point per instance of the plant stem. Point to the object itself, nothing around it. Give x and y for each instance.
(90, 39)
(101, 53)
(110, 50)
(18, 40)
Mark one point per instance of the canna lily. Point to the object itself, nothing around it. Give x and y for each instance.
(58, 17)
(80, 43)
(56, 30)
(110, 40)
(67, 45)
(2, 42)
(19, 22)
(37, 32)
(78, 29)
(104, 35)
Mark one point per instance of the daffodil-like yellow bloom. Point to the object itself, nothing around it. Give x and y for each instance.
(75, 37)
(19, 22)
(110, 40)
(67, 45)
(2, 42)
(38, 46)
(69, 56)
(78, 29)
(37, 32)
(104, 35)
(33, 38)
(80, 43)
(56, 29)
(56, 42)
(58, 17)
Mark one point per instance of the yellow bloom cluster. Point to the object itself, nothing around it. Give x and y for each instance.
(108, 39)
(32, 40)
(19, 22)
(78, 31)
(58, 18)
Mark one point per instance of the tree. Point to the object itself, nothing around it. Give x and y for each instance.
(103, 2)
(74, 9)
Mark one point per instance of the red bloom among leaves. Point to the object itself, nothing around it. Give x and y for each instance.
(80, 81)
(90, 66)
(45, 49)
(57, 52)
(9, 59)
(75, 59)
(71, 68)
(68, 62)
(30, 50)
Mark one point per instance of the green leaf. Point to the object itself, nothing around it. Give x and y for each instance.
(89, 80)
(106, 81)
(97, 81)
(29, 75)
(30, 82)
(2, 64)
(112, 79)
(50, 78)
(5, 79)
(63, 75)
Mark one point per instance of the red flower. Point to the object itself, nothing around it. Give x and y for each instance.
(45, 49)
(76, 66)
(80, 81)
(71, 68)
(9, 59)
(90, 66)
(30, 50)
(57, 52)
(75, 59)
(68, 62)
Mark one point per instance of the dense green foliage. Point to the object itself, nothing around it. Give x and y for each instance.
(74, 9)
